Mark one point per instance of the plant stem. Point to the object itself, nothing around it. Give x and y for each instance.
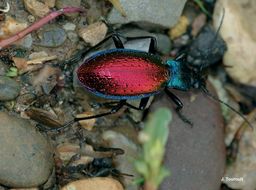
(149, 186)
(38, 24)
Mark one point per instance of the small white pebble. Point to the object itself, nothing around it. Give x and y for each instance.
(69, 26)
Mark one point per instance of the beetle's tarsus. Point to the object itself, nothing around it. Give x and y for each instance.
(183, 118)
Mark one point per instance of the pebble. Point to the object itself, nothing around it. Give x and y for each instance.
(94, 12)
(11, 26)
(52, 36)
(94, 33)
(69, 26)
(238, 31)
(148, 13)
(72, 36)
(27, 41)
(96, 183)
(180, 28)
(163, 43)
(39, 54)
(9, 88)
(194, 156)
(31, 18)
(3, 68)
(36, 8)
(26, 158)
(50, 3)
(198, 24)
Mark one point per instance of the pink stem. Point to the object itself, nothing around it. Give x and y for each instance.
(38, 24)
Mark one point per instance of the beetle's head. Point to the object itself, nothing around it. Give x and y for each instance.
(184, 77)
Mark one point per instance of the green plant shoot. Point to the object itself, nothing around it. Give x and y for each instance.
(154, 137)
(12, 72)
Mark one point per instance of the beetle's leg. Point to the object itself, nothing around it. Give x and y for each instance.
(153, 42)
(143, 103)
(117, 41)
(142, 106)
(112, 111)
(175, 99)
(82, 53)
(152, 45)
(179, 105)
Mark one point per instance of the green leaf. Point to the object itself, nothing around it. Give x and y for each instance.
(201, 5)
(13, 72)
(141, 167)
(163, 173)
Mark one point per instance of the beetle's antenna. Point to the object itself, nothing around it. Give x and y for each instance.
(221, 22)
(204, 89)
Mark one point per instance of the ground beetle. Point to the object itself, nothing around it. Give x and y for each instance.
(125, 74)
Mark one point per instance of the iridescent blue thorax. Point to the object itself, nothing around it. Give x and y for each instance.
(180, 75)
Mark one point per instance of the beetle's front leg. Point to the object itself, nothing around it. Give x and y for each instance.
(179, 105)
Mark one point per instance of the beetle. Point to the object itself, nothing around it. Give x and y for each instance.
(126, 74)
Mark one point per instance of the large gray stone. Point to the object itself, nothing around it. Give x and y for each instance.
(163, 13)
(195, 156)
(26, 159)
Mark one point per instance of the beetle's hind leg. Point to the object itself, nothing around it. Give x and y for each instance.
(179, 107)
(114, 109)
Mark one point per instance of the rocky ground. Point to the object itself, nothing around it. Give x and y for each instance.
(39, 92)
